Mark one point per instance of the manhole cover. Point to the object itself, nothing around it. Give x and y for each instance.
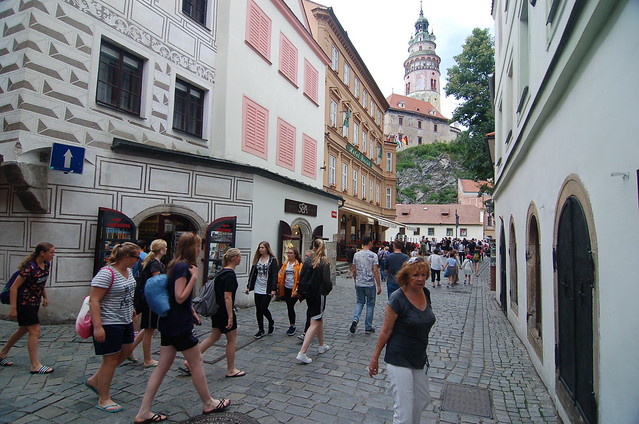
(467, 400)
(222, 418)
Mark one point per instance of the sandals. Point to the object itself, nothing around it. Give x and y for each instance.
(224, 403)
(43, 370)
(6, 362)
(156, 418)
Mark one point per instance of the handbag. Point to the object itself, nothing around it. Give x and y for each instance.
(205, 303)
(83, 324)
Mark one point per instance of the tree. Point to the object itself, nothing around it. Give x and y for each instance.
(468, 82)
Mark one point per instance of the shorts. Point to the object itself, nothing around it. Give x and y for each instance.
(149, 319)
(27, 315)
(181, 342)
(116, 335)
(220, 321)
(316, 306)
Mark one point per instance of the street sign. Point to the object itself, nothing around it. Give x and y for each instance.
(67, 158)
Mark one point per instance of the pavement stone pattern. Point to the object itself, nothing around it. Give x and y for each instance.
(472, 343)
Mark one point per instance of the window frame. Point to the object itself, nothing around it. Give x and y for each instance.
(116, 86)
(191, 110)
(194, 10)
(332, 163)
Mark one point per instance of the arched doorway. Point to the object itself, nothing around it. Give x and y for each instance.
(502, 268)
(533, 285)
(302, 233)
(167, 224)
(512, 256)
(575, 286)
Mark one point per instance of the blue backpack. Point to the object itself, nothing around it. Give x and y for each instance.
(157, 294)
(4, 295)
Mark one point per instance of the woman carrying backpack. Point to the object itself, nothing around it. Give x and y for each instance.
(263, 279)
(26, 294)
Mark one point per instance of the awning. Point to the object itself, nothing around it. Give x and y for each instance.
(382, 221)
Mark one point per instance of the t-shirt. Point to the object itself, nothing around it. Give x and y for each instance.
(261, 281)
(225, 281)
(290, 276)
(31, 290)
(407, 345)
(436, 262)
(394, 262)
(364, 260)
(180, 318)
(116, 307)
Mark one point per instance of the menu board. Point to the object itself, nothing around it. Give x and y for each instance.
(113, 228)
(220, 236)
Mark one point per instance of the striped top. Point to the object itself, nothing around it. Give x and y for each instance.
(116, 307)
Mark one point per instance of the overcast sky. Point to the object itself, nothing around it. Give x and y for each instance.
(381, 29)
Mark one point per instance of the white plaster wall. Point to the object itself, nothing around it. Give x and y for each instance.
(474, 231)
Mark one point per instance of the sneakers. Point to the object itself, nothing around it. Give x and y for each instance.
(291, 330)
(369, 331)
(353, 327)
(303, 358)
(259, 334)
(271, 327)
(323, 349)
(301, 336)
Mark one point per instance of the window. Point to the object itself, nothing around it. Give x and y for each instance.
(309, 156)
(334, 58)
(196, 9)
(344, 176)
(333, 114)
(372, 111)
(255, 128)
(189, 108)
(363, 186)
(355, 182)
(119, 79)
(433, 84)
(357, 87)
(258, 30)
(407, 90)
(463, 232)
(401, 120)
(402, 230)
(355, 133)
(288, 59)
(416, 232)
(364, 99)
(431, 231)
(435, 127)
(331, 170)
(389, 162)
(371, 187)
(419, 124)
(285, 144)
(389, 197)
(345, 124)
(364, 144)
(311, 81)
(449, 232)
(419, 140)
(371, 150)
(377, 193)
(347, 74)
(379, 117)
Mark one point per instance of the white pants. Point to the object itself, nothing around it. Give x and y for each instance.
(410, 389)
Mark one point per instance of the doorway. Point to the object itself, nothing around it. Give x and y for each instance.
(166, 226)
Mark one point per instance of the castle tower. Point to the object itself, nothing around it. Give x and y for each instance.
(421, 69)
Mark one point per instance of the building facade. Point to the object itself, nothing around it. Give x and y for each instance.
(359, 163)
(175, 109)
(566, 195)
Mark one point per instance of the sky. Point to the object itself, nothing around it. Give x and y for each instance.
(380, 31)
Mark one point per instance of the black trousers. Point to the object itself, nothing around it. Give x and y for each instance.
(290, 305)
(433, 273)
(261, 310)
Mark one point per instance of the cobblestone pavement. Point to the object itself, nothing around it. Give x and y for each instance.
(471, 344)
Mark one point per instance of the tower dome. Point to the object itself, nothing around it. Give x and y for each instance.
(421, 69)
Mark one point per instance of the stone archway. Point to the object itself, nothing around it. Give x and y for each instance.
(533, 281)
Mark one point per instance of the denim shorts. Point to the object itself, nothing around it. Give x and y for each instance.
(116, 335)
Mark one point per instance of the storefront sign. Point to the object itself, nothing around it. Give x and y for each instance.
(333, 214)
(359, 155)
(299, 208)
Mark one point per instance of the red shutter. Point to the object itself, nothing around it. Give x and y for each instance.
(255, 123)
(309, 157)
(311, 80)
(288, 59)
(285, 144)
(258, 31)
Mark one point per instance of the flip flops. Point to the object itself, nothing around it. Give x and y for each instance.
(224, 403)
(151, 365)
(116, 407)
(237, 374)
(43, 370)
(93, 389)
(6, 362)
(156, 418)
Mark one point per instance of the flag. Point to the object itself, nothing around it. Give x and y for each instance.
(347, 117)
(405, 140)
(399, 143)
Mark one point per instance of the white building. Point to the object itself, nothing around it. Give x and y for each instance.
(437, 221)
(566, 177)
(187, 111)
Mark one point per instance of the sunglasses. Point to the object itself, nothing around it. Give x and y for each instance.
(416, 259)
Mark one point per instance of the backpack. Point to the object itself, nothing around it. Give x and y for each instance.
(205, 303)
(5, 296)
(157, 294)
(306, 279)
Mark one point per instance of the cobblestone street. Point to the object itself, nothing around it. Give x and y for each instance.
(472, 347)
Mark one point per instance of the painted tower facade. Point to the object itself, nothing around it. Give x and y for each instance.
(422, 74)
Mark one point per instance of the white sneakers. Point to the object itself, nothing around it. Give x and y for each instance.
(323, 349)
(303, 358)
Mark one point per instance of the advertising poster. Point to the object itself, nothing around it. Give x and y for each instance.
(220, 236)
(113, 228)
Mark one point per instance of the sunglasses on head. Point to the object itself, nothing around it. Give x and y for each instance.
(416, 259)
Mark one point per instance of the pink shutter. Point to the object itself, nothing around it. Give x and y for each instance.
(285, 144)
(309, 157)
(258, 30)
(311, 81)
(288, 59)
(255, 128)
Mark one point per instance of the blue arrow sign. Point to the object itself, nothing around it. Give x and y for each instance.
(67, 158)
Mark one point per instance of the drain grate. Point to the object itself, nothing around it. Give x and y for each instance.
(222, 418)
(467, 400)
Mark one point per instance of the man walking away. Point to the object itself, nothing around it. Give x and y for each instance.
(394, 262)
(366, 275)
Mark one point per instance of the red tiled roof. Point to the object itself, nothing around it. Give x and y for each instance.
(470, 186)
(413, 105)
(438, 214)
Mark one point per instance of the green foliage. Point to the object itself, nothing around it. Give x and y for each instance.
(473, 156)
(444, 196)
(410, 193)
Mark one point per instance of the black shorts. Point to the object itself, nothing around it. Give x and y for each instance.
(219, 321)
(149, 319)
(116, 335)
(27, 315)
(316, 306)
(184, 341)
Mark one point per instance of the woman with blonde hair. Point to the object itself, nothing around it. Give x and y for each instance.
(263, 279)
(407, 324)
(111, 308)
(151, 266)
(25, 295)
(317, 271)
(287, 280)
(176, 330)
